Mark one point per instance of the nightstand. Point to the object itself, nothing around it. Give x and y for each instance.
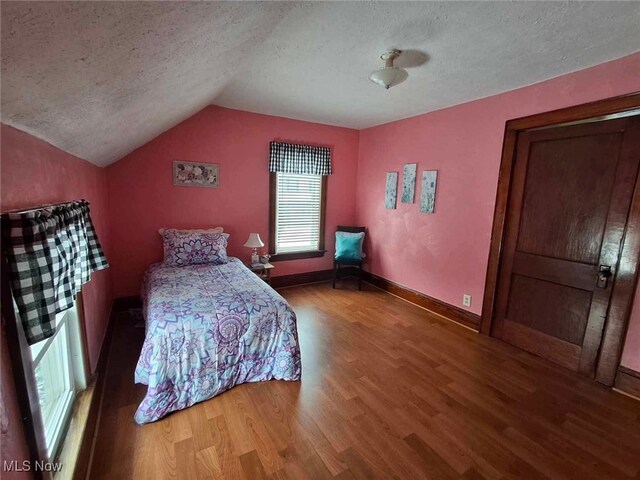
(263, 270)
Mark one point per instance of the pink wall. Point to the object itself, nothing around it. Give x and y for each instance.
(142, 197)
(445, 254)
(36, 173)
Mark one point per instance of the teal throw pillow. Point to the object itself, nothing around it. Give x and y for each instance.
(349, 245)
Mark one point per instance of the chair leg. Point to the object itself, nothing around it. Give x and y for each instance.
(360, 277)
(334, 274)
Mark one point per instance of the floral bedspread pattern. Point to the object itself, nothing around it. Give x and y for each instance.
(209, 328)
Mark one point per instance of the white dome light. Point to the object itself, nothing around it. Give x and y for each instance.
(389, 76)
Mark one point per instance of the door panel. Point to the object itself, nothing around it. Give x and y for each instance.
(563, 213)
(556, 310)
(570, 197)
(564, 272)
(530, 339)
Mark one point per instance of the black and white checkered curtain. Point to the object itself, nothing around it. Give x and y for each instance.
(51, 252)
(302, 159)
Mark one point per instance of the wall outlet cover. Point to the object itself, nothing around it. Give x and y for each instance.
(466, 300)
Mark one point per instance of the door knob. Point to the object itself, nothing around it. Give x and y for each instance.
(604, 272)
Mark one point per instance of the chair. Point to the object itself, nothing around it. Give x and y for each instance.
(351, 263)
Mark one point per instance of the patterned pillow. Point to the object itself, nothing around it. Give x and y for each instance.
(189, 248)
(194, 230)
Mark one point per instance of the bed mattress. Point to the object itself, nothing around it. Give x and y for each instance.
(209, 328)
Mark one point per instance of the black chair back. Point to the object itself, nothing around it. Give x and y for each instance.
(352, 263)
(342, 228)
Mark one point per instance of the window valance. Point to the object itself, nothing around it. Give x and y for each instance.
(300, 159)
(51, 252)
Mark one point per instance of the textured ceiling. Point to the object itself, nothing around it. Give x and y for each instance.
(98, 79)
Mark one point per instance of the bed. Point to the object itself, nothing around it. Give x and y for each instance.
(209, 328)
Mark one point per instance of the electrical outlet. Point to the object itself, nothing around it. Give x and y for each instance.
(466, 300)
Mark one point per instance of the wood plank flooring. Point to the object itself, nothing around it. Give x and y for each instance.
(389, 391)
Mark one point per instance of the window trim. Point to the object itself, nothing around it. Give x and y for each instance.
(281, 257)
(56, 423)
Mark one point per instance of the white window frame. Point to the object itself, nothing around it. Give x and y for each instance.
(316, 250)
(66, 343)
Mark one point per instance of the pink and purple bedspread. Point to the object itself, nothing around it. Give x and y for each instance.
(209, 328)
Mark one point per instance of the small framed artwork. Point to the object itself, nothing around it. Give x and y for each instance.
(190, 174)
(428, 194)
(409, 182)
(391, 190)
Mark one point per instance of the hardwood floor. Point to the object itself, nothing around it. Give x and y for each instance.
(389, 391)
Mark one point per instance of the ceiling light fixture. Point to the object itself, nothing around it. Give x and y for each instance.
(389, 76)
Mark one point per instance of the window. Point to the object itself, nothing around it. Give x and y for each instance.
(47, 268)
(59, 373)
(297, 215)
(297, 200)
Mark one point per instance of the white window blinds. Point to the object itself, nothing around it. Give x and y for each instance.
(298, 199)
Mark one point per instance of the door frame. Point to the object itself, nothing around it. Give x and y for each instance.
(626, 275)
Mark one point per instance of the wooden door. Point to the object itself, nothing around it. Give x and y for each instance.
(570, 196)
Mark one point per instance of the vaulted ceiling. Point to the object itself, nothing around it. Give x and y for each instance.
(99, 79)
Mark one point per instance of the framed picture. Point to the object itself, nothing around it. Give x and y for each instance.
(391, 190)
(409, 182)
(428, 194)
(189, 174)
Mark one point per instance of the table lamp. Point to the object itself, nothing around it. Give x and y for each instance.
(255, 243)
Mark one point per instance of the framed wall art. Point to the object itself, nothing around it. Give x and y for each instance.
(391, 190)
(190, 174)
(428, 193)
(409, 182)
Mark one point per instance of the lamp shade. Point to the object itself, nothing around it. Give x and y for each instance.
(388, 76)
(254, 241)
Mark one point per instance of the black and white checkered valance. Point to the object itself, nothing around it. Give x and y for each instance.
(51, 252)
(302, 159)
